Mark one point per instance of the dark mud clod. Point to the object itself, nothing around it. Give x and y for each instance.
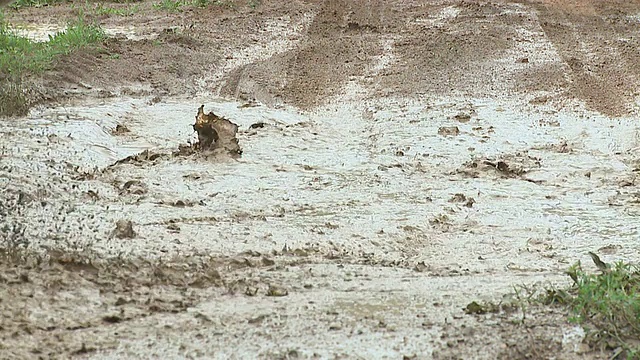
(144, 156)
(277, 291)
(112, 319)
(474, 308)
(448, 131)
(124, 229)
(517, 166)
(462, 117)
(135, 187)
(215, 132)
(84, 350)
(120, 129)
(461, 198)
(258, 125)
(601, 265)
(257, 320)
(251, 291)
(267, 262)
(421, 267)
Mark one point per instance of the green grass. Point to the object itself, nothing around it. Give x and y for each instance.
(609, 304)
(605, 304)
(170, 5)
(19, 54)
(20, 57)
(177, 5)
(17, 4)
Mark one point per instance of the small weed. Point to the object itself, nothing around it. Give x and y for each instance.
(20, 56)
(126, 1)
(105, 10)
(170, 5)
(17, 4)
(177, 5)
(610, 302)
(201, 3)
(114, 56)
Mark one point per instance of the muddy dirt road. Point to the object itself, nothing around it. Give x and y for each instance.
(400, 160)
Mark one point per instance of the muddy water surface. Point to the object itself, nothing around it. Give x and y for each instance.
(386, 180)
(515, 195)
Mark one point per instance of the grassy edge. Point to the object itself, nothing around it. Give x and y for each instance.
(21, 57)
(605, 304)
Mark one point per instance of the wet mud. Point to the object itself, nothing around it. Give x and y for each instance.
(319, 179)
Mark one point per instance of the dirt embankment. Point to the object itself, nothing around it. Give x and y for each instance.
(468, 48)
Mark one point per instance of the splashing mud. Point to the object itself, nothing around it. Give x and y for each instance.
(215, 132)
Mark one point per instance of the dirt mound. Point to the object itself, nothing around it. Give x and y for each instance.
(340, 43)
(599, 47)
(471, 48)
(85, 293)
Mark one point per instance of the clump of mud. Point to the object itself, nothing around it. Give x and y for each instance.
(216, 136)
(508, 166)
(216, 132)
(124, 230)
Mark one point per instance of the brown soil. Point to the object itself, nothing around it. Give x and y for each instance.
(79, 304)
(596, 42)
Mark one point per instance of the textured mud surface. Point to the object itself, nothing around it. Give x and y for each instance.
(399, 160)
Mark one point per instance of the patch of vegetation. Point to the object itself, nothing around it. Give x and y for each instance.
(605, 304)
(20, 56)
(17, 4)
(610, 303)
(100, 9)
(177, 5)
(126, 1)
(171, 5)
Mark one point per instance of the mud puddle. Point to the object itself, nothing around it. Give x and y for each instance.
(395, 201)
(506, 183)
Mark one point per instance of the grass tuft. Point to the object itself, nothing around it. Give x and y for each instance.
(605, 304)
(13, 101)
(20, 56)
(610, 303)
(177, 5)
(17, 4)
